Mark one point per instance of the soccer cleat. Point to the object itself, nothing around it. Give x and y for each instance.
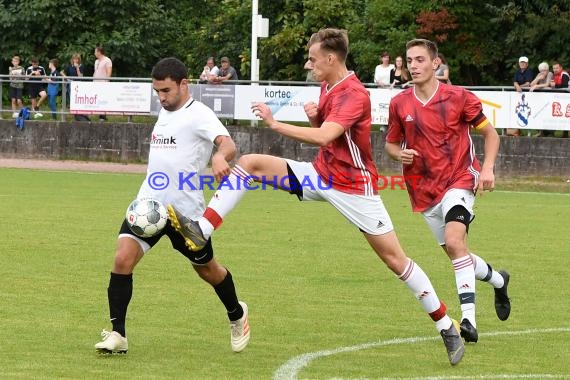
(502, 300)
(240, 331)
(188, 228)
(453, 343)
(112, 343)
(468, 332)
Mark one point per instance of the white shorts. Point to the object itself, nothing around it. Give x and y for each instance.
(365, 212)
(435, 216)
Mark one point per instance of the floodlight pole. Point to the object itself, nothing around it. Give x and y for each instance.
(254, 30)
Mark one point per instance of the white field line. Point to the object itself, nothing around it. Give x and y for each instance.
(292, 367)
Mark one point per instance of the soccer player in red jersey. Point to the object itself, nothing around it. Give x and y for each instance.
(341, 125)
(429, 132)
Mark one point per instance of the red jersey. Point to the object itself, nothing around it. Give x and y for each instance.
(439, 131)
(346, 163)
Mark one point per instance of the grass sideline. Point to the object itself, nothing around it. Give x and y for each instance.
(310, 280)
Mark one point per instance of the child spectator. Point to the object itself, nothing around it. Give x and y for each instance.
(17, 74)
(53, 86)
(36, 74)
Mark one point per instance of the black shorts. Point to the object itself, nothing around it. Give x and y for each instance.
(34, 90)
(16, 93)
(202, 257)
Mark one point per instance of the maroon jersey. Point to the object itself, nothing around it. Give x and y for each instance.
(439, 131)
(346, 163)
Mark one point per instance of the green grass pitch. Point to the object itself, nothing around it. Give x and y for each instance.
(322, 305)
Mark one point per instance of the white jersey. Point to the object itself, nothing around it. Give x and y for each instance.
(181, 146)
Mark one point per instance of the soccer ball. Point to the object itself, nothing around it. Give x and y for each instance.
(146, 217)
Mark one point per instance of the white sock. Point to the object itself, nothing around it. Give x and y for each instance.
(228, 195)
(485, 272)
(419, 284)
(465, 281)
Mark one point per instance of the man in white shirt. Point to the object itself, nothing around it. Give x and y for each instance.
(210, 71)
(103, 69)
(382, 71)
(181, 145)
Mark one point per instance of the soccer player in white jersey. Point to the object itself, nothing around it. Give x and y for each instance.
(181, 145)
(341, 127)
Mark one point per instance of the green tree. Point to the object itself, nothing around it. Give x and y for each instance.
(132, 32)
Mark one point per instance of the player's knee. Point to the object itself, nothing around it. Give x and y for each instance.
(247, 162)
(458, 214)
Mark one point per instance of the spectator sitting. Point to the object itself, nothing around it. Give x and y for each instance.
(36, 87)
(543, 78)
(400, 76)
(523, 75)
(442, 71)
(227, 72)
(210, 71)
(382, 71)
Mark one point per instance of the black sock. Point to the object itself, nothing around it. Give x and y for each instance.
(489, 273)
(119, 292)
(226, 292)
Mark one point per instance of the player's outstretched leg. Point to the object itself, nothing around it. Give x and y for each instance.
(502, 300)
(112, 343)
(188, 228)
(240, 330)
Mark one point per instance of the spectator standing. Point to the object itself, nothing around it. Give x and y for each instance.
(522, 79)
(17, 75)
(442, 71)
(542, 81)
(400, 76)
(210, 71)
(227, 72)
(103, 69)
(523, 75)
(74, 69)
(36, 87)
(53, 86)
(560, 80)
(383, 70)
(543, 78)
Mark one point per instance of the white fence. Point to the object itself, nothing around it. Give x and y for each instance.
(505, 109)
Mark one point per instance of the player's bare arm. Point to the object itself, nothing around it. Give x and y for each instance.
(492, 143)
(406, 156)
(225, 152)
(322, 136)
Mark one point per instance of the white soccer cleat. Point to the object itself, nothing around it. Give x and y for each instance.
(240, 331)
(112, 343)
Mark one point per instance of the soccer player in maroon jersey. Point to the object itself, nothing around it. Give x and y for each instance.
(429, 132)
(341, 125)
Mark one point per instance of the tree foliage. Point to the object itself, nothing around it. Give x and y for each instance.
(481, 41)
